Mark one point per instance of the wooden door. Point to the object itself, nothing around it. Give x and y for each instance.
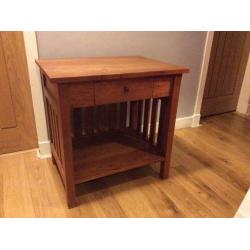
(226, 70)
(17, 125)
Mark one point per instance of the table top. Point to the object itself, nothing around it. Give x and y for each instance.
(100, 68)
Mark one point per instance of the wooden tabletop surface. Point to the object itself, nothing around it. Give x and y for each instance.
(97, 68)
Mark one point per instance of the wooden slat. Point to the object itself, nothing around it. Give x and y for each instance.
(57, 143)
(52, 125)
(54, 129)
(58, 138)
(88, 122)
(101, 118)
(162, 120)
(139, 120)
(146, 118)
(49, 121)
(112, 116)
(123, 115)
(133, 114)
(153, 121)
(77, 121)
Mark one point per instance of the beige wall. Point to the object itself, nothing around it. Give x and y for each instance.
(184, 48)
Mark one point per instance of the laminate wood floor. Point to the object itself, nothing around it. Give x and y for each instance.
(209, 177)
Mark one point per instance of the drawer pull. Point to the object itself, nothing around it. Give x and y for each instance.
(126, 89)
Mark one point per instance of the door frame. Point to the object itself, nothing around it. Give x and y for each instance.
(31, 48)
(202, 78)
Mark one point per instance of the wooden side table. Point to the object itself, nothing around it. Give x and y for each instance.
(107, 115)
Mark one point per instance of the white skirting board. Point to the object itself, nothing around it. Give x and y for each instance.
(188, 121)
(184, 122)
(44, 150)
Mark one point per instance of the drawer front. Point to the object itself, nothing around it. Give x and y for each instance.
(161, 88)
(81, 94)
(123, 90)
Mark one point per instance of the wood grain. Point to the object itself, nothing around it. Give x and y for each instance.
(77, 122)
(109, 155)
(169, 125)
(229, 55)
(122, 91)
(209, 178)
(65, 130)
(123, 115)
(161, 88)
(78, 91)
(19, 131)
(101, 68)
(146, 118)
(7, 113)
(133, 115)
(153, 121)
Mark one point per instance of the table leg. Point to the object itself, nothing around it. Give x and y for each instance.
(67, 150)
(169, 125)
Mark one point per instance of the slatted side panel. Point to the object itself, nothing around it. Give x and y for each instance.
(123, 115)
(153, 122)
(90, 120)
(146, 118)
(143, 117)
(54, 130)
(101, 118)
(77, 122)
(161, 135)
(140, 117)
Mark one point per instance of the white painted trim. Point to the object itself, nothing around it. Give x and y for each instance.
(203, 76)
(44, 150)
(188, 121)
(36, 92)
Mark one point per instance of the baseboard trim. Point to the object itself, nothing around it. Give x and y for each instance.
(44, 150)
(188, 121)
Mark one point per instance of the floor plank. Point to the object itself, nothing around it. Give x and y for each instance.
(210, 176)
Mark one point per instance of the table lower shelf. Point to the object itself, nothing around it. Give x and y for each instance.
(101, 155)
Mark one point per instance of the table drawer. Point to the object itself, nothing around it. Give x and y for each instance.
(161, 88)
(123, 90)
(81, 94)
